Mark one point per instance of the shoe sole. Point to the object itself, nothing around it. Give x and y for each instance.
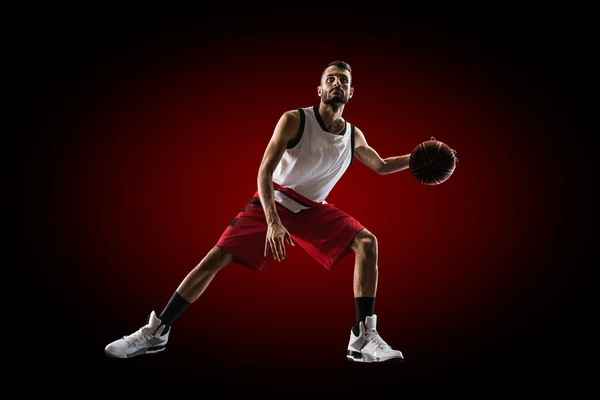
(355, 356)
(157, 349)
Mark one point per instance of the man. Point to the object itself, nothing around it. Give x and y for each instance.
(308, 153)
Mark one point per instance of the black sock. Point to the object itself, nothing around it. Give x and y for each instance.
(174, 307)
(364, 308)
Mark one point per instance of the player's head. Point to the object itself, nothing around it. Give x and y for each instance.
(335, 88)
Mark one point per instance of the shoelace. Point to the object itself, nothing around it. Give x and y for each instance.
(374, 337)
(141, 334)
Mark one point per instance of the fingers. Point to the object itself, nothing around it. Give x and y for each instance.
(454, 152)
(280, 249)
(266, 246)
(288, 237)
(271, 244)
(273, 247)
(277, 248)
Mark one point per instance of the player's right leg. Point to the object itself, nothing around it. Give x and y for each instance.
(243, 242)
(153, 337)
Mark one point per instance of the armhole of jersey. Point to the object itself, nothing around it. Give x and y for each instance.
(351, 144)
(292, 143)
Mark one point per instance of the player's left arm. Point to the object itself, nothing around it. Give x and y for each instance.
(368, 156)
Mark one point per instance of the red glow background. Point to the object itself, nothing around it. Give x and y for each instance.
(140, 140)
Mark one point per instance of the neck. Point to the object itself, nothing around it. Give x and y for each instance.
(332, 116)
(331, 113)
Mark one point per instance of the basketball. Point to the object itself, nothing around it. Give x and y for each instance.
(432, 162)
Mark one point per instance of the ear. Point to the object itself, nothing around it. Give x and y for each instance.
(351, 93)
(319, 90)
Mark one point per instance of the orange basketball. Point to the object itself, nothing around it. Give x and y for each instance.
(432, 162)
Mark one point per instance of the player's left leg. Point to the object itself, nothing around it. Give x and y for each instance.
(338, 235)
(366, 345)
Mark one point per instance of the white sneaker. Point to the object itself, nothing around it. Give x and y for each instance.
(146, 340)
(369, 347)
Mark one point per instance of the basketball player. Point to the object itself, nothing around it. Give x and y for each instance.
(308, 153)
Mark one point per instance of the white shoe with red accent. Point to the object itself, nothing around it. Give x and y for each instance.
(369, 347)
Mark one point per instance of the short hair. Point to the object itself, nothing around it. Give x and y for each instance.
(340, 64)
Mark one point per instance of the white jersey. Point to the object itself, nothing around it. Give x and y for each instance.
(314, 162)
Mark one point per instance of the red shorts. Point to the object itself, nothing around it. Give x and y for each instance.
(323, 230)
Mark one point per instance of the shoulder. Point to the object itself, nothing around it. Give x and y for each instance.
(289, 123)
(292, 119)
(359, 137)
(291, 115)
(358, 132)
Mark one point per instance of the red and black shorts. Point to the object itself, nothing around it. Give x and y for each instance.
(322, 230)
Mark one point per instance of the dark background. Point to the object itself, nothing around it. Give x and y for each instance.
(139, 135)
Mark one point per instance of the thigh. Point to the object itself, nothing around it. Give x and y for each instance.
(245, 238)
(325, 232)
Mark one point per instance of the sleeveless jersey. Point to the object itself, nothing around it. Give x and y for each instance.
(313, 163)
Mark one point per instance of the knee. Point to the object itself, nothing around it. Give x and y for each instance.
(216, 259)
(365, 243)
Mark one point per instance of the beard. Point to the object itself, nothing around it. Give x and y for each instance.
(334, 100)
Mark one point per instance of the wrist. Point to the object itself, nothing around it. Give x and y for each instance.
(273, 218)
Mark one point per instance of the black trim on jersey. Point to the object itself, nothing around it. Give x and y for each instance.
(287, 209)
(322, 123)
(295, 199)
(319, 119)
(351, 144)
(257, 202)
(292, 143)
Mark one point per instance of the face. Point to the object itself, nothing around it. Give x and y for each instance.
(335, 86)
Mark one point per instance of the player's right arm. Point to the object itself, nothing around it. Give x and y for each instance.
(285, 130)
